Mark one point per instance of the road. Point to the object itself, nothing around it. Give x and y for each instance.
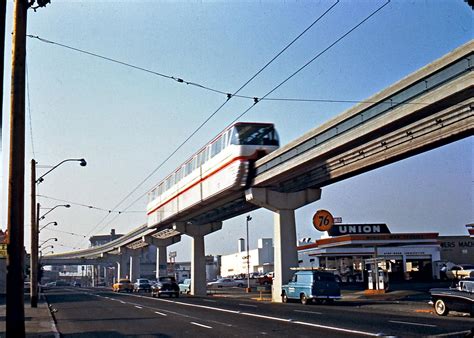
(82, 312)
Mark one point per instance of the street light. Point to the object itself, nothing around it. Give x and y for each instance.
(56, 206)
(46, 253)
(46, 247)
(82, 163)
(44, 226)
(49, 239)
(248, 256)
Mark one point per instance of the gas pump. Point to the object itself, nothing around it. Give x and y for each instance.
(377, 277)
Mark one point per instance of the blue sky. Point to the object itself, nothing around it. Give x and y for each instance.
(125, 121)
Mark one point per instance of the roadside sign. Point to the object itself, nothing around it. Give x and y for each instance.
(337, 220)
(3, 251)
(323, 220)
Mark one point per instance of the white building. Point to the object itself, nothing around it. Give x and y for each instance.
(260, 259)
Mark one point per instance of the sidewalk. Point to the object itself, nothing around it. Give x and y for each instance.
(38, 321)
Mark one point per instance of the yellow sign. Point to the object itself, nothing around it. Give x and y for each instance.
(323, 220)
(3, 250)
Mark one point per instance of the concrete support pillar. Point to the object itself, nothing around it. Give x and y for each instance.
(94, 276)
(284, 206)
(135, 270)
(122, 264)
(198, 258)
(161, 262)
(161, 245)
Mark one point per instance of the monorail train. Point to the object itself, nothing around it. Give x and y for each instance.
(222, 166)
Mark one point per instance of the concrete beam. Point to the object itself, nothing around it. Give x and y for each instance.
(275, 201)
(161, 242)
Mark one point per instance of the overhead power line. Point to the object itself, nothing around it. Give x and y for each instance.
(256, 100)
(65, 232)
(29, 110)
(313, 59)
(228, 97)
(88, 206)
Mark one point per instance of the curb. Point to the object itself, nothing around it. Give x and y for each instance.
(54, 327)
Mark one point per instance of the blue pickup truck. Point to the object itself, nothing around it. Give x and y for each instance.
(311, 285)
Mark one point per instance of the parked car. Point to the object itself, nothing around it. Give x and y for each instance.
(460, 271)
(77, 284)
(311, 285)
(266, 279)
(226, 282)
(142, 284)
(123, 285)
(460, 298)
(165, 286)
(185, 286)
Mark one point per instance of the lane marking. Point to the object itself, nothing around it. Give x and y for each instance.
(138, 307)
(248, 305)
(209, 301)
(312, 312)
(453, 334)
(202, 325)
(409, 323)
(161, 314)
(336, 328)
(260, 316)
(121, 301)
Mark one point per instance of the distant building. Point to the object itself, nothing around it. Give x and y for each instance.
(104, 239)
(260, 259)
(457, 249)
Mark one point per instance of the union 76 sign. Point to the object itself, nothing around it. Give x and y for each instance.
(323, 220)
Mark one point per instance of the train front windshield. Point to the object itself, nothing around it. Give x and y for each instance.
(255, 135)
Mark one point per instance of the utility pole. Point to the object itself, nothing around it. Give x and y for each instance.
(34, 239)
(15, 307)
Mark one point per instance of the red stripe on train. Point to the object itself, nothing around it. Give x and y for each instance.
(240, 158)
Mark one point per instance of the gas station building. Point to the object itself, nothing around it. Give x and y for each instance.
(352, 246)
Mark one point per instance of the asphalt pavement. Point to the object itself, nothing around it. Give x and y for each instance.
(411, 300)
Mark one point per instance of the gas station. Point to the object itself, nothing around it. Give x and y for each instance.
(355, 251)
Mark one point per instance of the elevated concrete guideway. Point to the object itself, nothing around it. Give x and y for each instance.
(425, 110)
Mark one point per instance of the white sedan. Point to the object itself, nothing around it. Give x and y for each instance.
(225, 282)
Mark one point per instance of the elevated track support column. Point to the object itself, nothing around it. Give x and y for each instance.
(161, 252)
(122, 263)
(284, 206)
(198, 258)
(135, 270)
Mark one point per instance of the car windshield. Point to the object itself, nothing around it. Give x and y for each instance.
(167, 280)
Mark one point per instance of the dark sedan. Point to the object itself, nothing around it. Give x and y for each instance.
(165, 286)
(460, 298)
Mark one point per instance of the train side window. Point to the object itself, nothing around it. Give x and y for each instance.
(219, 145)
(213, 149)
(179, 174)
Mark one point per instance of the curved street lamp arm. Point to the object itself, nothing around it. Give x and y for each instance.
(82, 161)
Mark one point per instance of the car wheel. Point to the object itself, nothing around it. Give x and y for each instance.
(440, 308)
(303, 299)
(153, 295)
(159, 295)
(284, 298)
(188, 292)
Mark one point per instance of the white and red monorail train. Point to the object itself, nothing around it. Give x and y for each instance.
(222, 166)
